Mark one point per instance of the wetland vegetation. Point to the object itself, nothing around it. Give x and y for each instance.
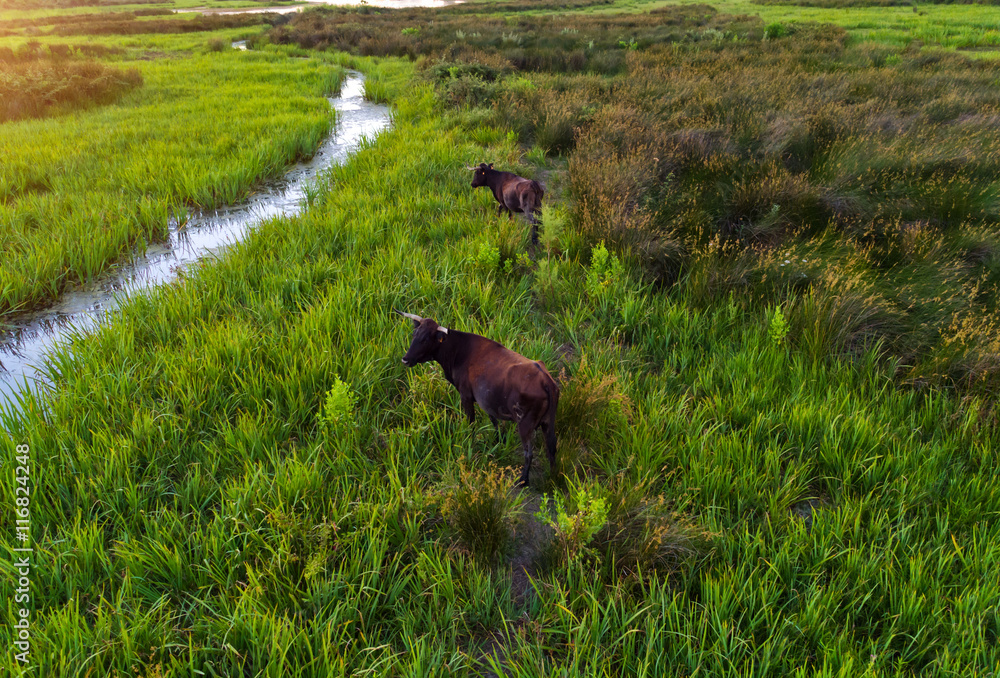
(80, 191)
(766, 282)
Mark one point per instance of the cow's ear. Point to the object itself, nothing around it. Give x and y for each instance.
(491, 165)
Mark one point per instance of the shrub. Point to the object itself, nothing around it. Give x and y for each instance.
(488, 257)
(338, 407)
(605, 272)
(577, 519)
(40, 87)
(482, 509)
(775, 30)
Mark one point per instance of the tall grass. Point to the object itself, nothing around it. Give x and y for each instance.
(741, 159)
(191, 513)
(78, 193)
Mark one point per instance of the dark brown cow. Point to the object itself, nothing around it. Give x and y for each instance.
(506, 385)
(514, 193)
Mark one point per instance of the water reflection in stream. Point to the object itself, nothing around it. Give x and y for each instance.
(23, 350)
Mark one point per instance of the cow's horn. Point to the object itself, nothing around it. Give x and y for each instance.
(414, 318)
(442, 330)
(471, 167)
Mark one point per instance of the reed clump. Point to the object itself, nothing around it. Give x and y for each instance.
(39, 87)
(482, 508)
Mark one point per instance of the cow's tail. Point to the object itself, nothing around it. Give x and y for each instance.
(539, 194)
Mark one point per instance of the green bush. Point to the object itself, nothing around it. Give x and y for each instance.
(575, 519)
(605, 273)
(775, 30)
(338, 407)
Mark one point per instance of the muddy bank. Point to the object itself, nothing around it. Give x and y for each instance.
(24, 348)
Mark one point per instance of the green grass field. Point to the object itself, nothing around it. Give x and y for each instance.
(238, 477)
(83, 190)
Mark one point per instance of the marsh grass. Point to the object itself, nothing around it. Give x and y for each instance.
(192, 512)
(643, 535)
(135, 22)
(32, 89)
(78, 193)
(735, 172)
(187, 493)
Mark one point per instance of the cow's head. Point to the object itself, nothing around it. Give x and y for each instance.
(427, 335)
(479, 178)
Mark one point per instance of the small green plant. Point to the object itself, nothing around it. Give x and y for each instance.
(411, 30)
(482, 509)
(537, 154)
(777, 327)
(605, 271)
(573, 531)
(324, 537)
(548, 284)
(775, 30)
(553, 223)
(631, 44)
(338, 409)
(487, 257)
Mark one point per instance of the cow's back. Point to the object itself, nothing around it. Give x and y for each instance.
(505, 383)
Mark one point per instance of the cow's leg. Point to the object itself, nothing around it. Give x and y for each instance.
(528, 209)
(526, 429)
(500, 209)
(496, 425)
(469, 407)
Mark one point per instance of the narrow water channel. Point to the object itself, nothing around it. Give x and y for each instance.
(24, 349)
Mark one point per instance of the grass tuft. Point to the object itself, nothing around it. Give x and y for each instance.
(482, 507)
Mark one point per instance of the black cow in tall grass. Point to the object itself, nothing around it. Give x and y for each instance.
(506, 385)
(514, 193)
